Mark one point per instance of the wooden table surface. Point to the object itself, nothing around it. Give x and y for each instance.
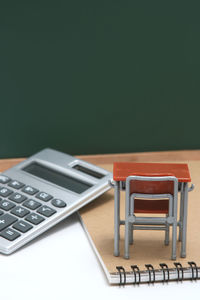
(182, 155)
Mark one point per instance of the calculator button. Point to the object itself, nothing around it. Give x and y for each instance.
(34, 218)
(20, 211)
(43, 196)
(1, 212)
(10, 234)
(32, 204)
(4, 179)
(5, 192)
(16, 197)
(29, 190)
(6, 205)
(22, 226)
(58, 203)
(6, 220)
(46, 211)
(16, 184)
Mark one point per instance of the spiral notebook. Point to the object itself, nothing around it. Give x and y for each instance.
(149, 257)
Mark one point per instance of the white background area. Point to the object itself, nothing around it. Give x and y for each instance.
(61, 264)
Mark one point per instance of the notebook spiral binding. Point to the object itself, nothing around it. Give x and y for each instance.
(136, 269)
(137, 273)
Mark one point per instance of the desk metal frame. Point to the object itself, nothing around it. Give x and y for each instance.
(120, 185)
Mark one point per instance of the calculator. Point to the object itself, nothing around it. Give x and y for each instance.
(43, 190)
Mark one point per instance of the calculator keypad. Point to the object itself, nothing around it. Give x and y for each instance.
(18, 198)
(15, 219)
(20, 211)
(34, 218)
(58, 203)
(32, 204)
(22, 226)
(16, 184)
(44, 196)
(46, 211)
(4, 179)
(29, 190)
(6, 205)
(5, 192)
(10, 234)
(6, 220)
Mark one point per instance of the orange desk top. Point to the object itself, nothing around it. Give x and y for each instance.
(121, 170)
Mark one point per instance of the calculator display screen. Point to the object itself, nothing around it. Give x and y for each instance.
(63, 180)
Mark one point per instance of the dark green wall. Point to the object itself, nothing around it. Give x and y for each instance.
(99, 76)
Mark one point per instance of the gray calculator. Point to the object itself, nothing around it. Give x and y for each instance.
(43, 190)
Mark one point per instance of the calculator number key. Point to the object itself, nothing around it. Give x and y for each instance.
(29, 190)
(46, 211)
(22, 226)
(16, 197)
(32, 204)
(34, 219)
(43, 196)
(10, 234)
(5, 192)
(4, 179)
(6, 205)
(16, 184)
(58, 203)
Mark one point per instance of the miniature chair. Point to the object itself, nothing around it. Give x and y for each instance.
(151, 195)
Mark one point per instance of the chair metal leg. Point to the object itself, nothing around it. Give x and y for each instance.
(130, 234)
(174, 238)
(167, 234)
(126, 245)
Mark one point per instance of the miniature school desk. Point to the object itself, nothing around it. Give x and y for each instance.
(121, 170)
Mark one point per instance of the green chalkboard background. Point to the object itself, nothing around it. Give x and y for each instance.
(89, 77)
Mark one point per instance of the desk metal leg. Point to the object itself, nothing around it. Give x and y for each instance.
(127, 224)
(117, 218)
(181, 212)
(184, 223)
